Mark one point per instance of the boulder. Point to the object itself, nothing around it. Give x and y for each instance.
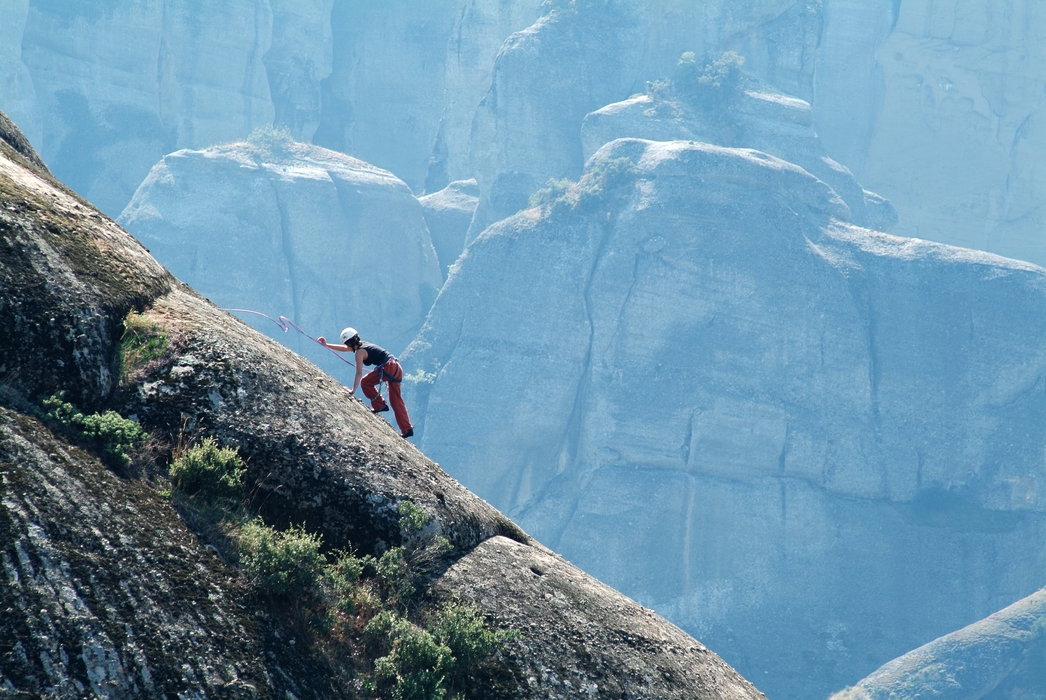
(1001, 656)
(708, 388)
(448, 214)
(108, 591)
(295, 230)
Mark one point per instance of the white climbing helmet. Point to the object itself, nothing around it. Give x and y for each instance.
(348, 334)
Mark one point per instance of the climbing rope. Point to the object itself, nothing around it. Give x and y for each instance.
(286, 324)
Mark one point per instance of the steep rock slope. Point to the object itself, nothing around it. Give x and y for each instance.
(106, 591)
(713, 392)
(1002, 656)
(297, 230)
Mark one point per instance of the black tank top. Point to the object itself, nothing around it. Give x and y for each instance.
(375, 355)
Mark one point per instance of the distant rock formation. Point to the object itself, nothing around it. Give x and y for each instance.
(1000, 657)
(405, 84)
(292, 229)
(938, 107)
(107, 592)
(757, 117)
(448, 214)
(579, 57)
(709, 389)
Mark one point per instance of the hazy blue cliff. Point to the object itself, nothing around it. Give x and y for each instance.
(701, 382)
(680, 345)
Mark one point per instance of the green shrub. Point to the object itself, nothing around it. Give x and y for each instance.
(712, 83)
(412, 518)
(395, 575)
(282, 564)
(463, 629)
(142, 342)
(415, 665)
(271, 140)
(109, 432)
(208, 472)
(603, 178)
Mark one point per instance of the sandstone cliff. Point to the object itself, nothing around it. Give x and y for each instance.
(106, 590)
(292, 229)
(709, 389)
(1002, 656)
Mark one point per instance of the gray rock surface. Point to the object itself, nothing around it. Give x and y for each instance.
(937, 106)
(576, 59)
(107, 90)
(1002, 656)
(294, 230)
(106, 592)
(759, 118)
(448, 214)
(405, 83)
(716, 394)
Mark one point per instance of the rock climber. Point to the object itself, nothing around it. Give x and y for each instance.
(386, 368)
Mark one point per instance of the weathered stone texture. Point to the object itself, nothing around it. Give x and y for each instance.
(721, 397)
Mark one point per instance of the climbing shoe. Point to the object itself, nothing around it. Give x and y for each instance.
(409, 432)
(380, 410)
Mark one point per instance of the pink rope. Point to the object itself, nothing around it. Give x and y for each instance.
(286, 324)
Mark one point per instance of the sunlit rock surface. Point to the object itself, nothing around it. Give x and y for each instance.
(296, 230)
(1000, 657)
(715, 393)
(108, 592)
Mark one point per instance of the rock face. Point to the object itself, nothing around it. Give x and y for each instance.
(1002, 656)
(756, 117)
(448, 214)
(578, 58)
(107, 91)
(295, 230)
(937, 106)
(405, 83)
(107, 592)
(713, 392)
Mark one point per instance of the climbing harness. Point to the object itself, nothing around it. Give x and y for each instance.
(286, 324)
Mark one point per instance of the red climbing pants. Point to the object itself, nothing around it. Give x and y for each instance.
(392, 372)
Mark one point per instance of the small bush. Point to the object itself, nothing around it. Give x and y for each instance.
(109, 432)
(208, 472)
(271, 139)
(415, 665)
(282, 564)
(141, 344)
(462, 628)
(394, 572)
(712, 83)
(412, 518)
(602, 179)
